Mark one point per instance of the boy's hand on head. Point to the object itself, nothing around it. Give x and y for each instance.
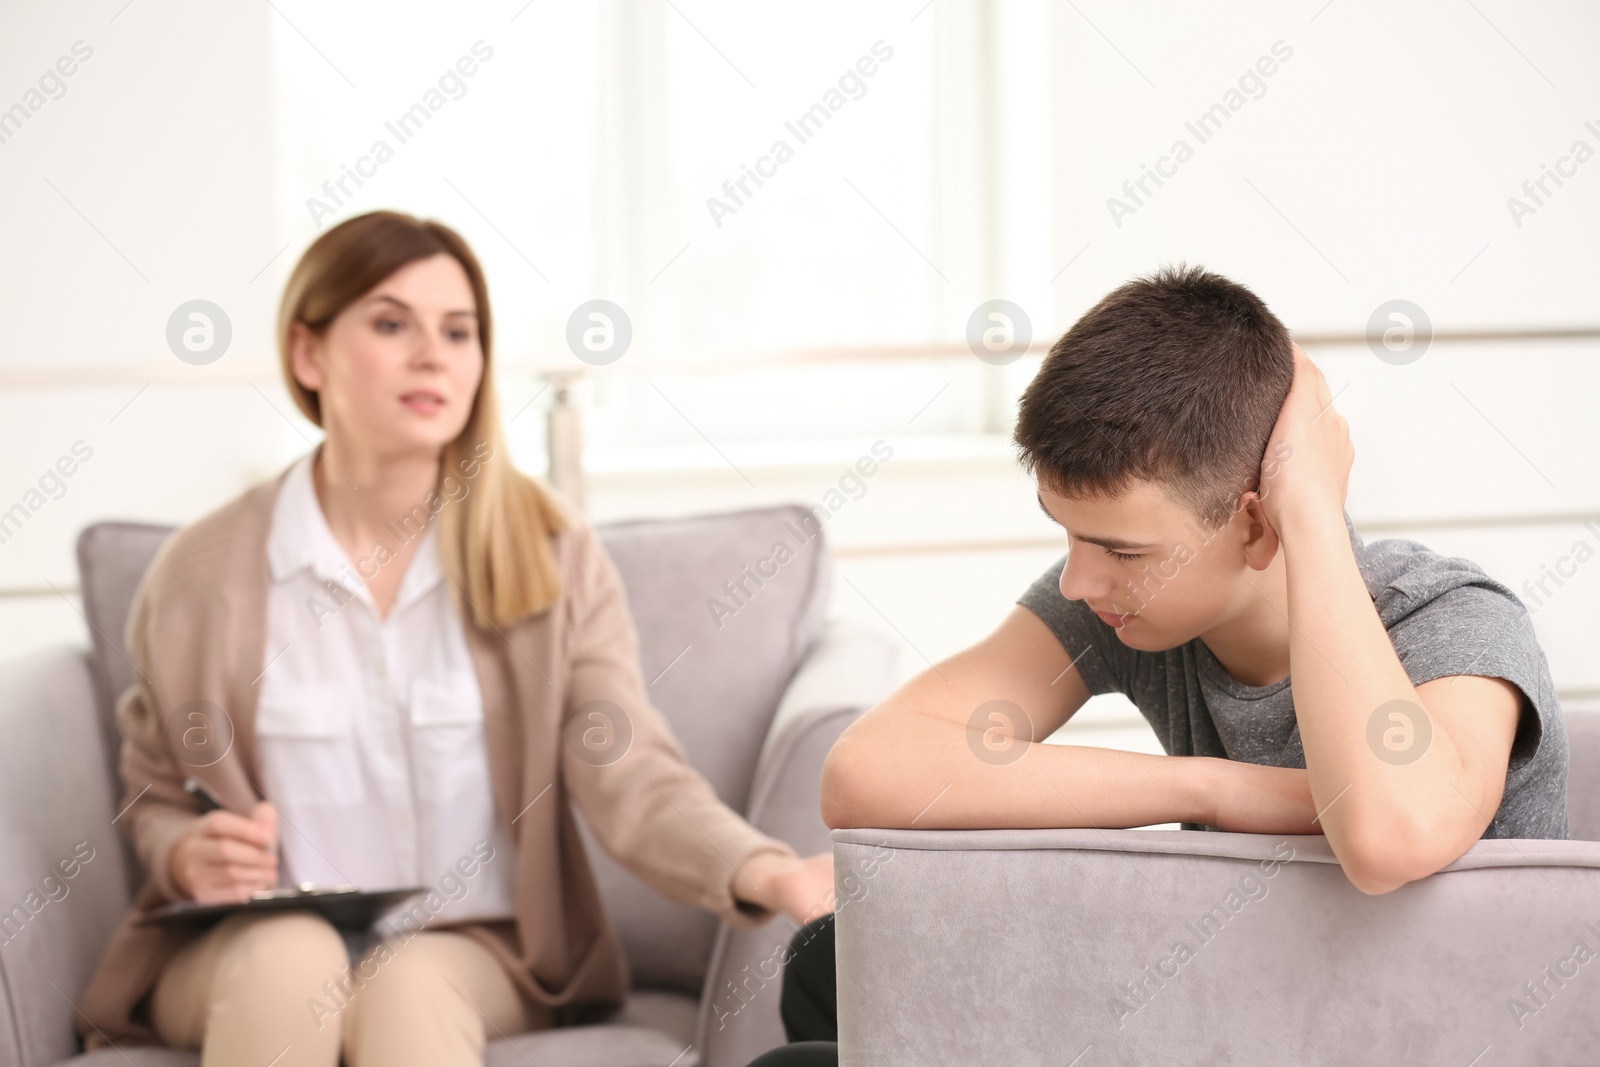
(1309, 454)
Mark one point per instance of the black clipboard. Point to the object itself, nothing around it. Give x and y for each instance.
(345, 906)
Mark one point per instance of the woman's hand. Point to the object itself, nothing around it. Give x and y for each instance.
(800, 888)
(225, 857)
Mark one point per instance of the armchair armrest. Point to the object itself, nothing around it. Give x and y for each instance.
(63, 887)
(848, 669)
(1180, 947)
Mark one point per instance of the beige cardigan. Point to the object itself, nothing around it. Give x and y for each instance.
(197, 632)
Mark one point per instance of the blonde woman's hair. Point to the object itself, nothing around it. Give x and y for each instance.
(494, 542)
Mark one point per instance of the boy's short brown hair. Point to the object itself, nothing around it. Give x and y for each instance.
(1176, 377)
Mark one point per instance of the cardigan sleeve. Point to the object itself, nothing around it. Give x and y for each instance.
(156, 810)
(155, 817)
(629, 775)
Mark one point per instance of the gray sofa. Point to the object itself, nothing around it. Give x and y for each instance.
(1142, 947)
(756, 704)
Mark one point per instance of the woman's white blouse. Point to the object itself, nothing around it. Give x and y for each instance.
(371, 730)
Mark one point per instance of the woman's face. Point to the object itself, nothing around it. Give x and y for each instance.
(398, 370)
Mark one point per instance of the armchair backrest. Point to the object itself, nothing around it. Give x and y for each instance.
(1583, 772)
(1153, 946)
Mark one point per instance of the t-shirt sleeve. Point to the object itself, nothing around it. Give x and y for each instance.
(1481, 629)
(1104, 662)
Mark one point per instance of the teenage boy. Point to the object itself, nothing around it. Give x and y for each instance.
(1191, 454)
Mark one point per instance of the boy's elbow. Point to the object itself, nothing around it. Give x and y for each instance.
(843, 802)
(1374, 880)
(1382, 861)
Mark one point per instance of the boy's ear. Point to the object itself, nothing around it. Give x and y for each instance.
(1261, 540)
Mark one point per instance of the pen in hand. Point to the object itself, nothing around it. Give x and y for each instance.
(225, 856)
(209, 801)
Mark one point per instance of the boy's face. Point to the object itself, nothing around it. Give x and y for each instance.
(1177, 583)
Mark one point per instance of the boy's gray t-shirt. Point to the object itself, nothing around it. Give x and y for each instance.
(1444, 616)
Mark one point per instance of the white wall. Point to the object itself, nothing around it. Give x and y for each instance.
(146, 184)
(1376, 165)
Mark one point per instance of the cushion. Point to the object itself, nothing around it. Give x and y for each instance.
(652, 1030)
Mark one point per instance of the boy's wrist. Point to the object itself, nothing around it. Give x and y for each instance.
(1256, 798)
(1299, 520)
(1206, 792)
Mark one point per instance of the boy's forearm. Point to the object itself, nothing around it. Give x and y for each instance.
(919, 772)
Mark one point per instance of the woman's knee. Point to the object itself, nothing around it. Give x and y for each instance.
(432, 998)
(294, 949)
(426, 976)
(400, 971)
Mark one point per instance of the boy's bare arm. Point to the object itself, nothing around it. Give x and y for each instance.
(958, 747)
(1389, 821)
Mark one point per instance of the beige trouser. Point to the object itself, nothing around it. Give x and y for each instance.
(279, 989)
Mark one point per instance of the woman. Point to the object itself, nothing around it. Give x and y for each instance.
(395, 663)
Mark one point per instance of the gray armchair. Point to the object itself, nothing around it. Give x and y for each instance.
(756, 703)
(1147, 948)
